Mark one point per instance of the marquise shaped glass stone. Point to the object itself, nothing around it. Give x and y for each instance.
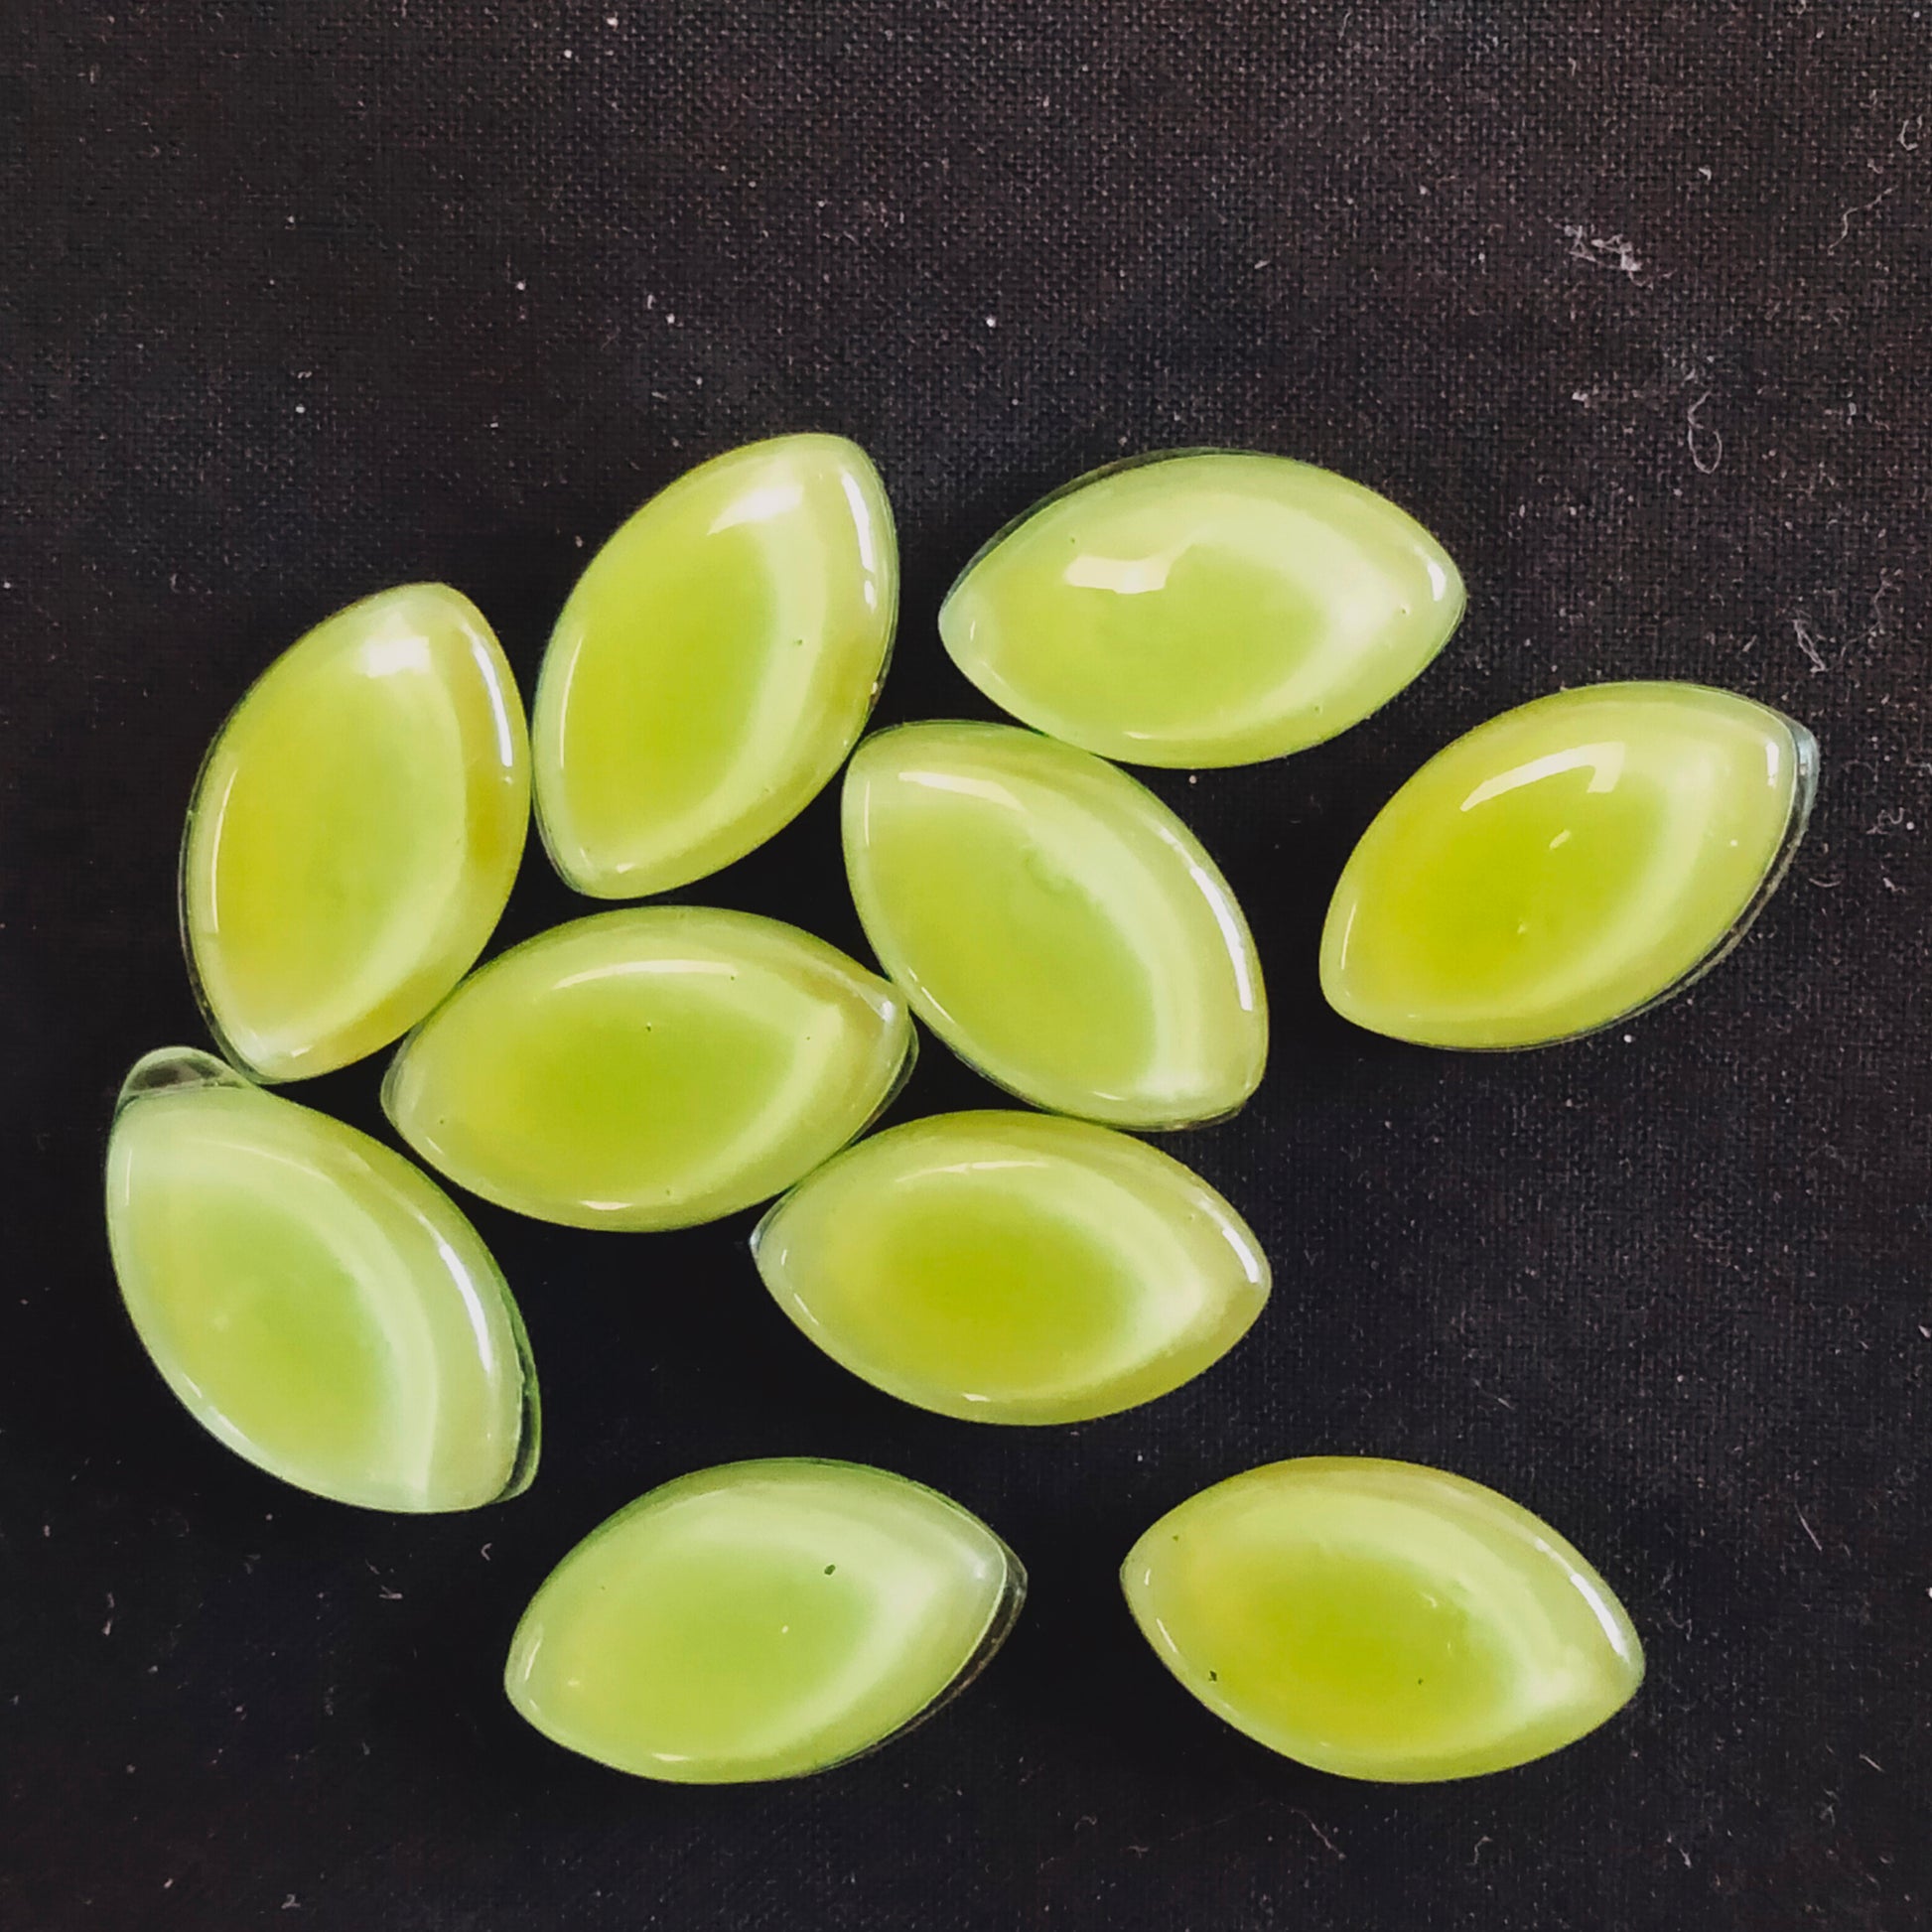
(761, 1620)
(714, 665)
(1566, 864)
(1382, 1620)
(1014, 1268)
(354, 832)
(1054, 924)
(1204, 608)
(649, 1068)
(318, 1303)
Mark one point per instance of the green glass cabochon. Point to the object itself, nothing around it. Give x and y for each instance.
(760, 1620)
(1382, 1620)
(315, 1301)
(648, 1069)
(1568, 865)
(1054, 924)
(1007, 1267)
(715, 663)
(1198, 607)
(353, 833)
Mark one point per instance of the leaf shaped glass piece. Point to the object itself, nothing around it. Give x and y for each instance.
(761, 1620)
(316, 1303)
(1382, 1620)
(714, 665)
(1566, 864)
(1203, 607)
(1054, 924)
(1014, 1268)
(649, 1068)
(354, 833)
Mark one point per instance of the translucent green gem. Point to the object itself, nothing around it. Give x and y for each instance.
(649, 1068)
(1382, 1620)
(1213, 606)
(714, 665)
(354, 832)
(1054, 924)
(315, 1303)
(1566, 864)
(761, 1620)
(1014, 1268)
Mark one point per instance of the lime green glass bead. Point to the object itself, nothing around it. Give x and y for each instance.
(1054, 924)
(354, 833)
(761, 1620)
(649, 1068)
(316, 1303)
(1382, 1620)
(1206, 607)
(1014, 1268)
(1566, 864)
(714, 665)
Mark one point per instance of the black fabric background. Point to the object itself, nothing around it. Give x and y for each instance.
(1626, 300)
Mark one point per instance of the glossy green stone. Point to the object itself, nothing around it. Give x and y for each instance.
(761, 1620)
(1054, 924)
(1213, 606)
(1566, 864)
(649, 1068)
(1014, 1268)
(1382, 1620)
(315, 1303)
(354, 833)
(714, 665)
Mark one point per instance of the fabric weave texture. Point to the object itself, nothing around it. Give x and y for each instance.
(1626, 302)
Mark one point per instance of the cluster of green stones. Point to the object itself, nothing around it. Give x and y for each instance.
(329, 1313)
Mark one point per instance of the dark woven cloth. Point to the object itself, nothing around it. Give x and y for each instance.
(1626, 301)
